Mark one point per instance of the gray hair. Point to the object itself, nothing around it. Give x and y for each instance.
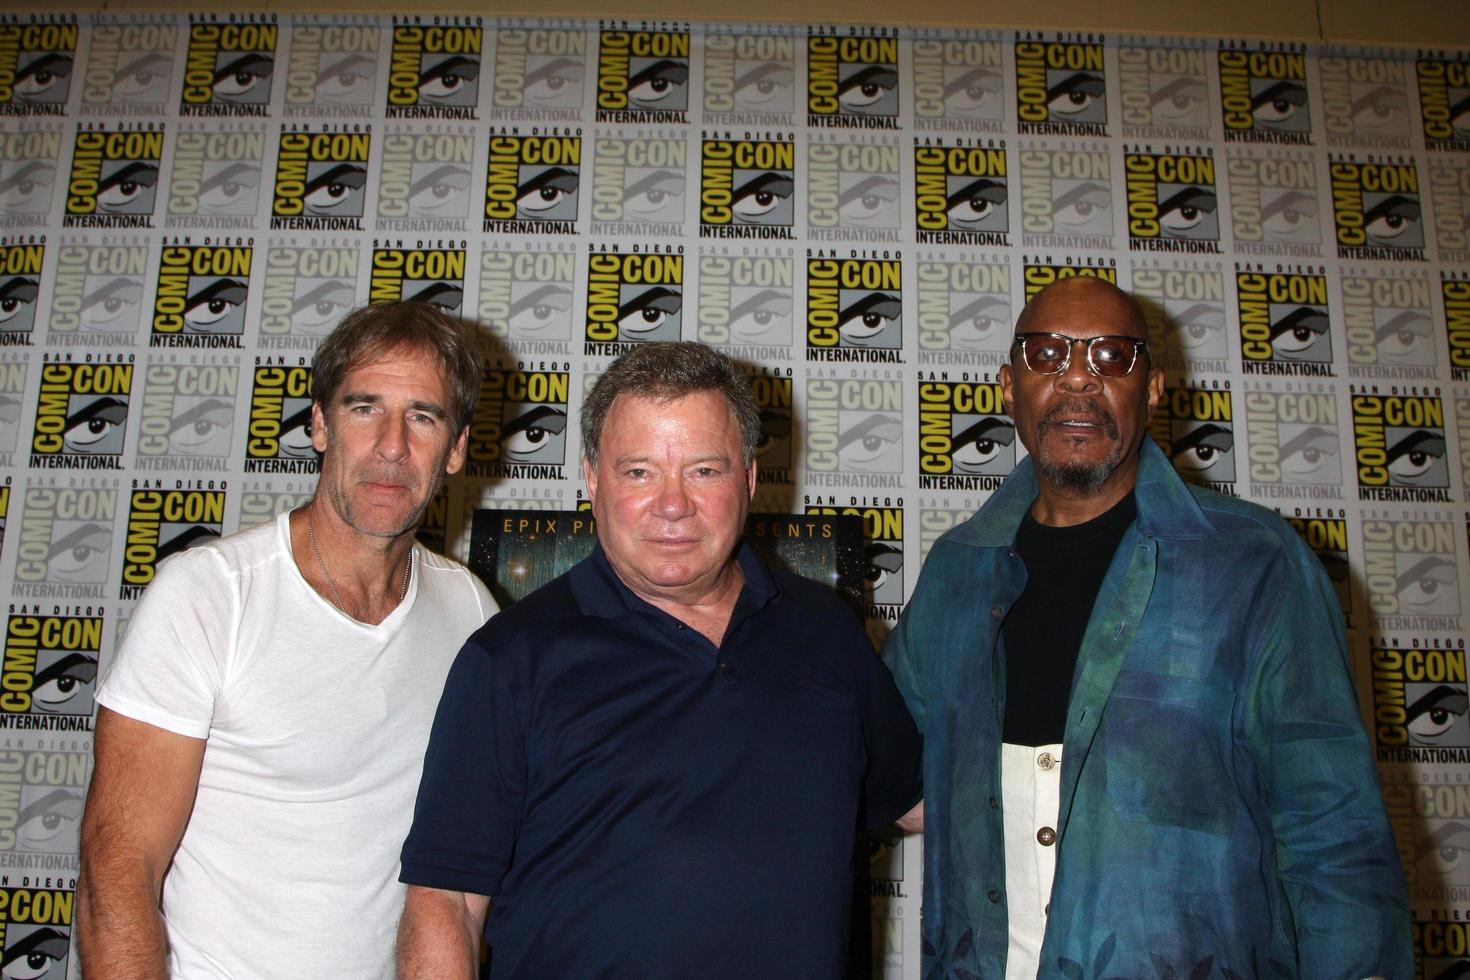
(665, 372)
(372, 331)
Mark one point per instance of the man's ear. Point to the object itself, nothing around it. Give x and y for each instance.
(1155, 389)
(318, 427)
(589, 474)
(1006, 381)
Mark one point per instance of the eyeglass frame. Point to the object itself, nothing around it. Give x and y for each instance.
(1139, 344)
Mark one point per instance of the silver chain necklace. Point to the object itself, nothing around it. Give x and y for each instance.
(337, 596)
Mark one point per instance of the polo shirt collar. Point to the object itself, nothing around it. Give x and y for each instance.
(599, 592)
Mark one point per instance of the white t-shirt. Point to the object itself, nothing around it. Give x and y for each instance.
(316, 728)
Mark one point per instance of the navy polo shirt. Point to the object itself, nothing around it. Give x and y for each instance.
(640, 803)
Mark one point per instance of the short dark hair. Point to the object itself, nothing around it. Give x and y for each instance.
(372, 331)
(666, 371)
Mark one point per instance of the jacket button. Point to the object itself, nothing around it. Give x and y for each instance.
(996, 611)
(994, 896)
(1046, 837)
(994, 803)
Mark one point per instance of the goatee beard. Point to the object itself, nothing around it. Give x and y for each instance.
(1083, 479)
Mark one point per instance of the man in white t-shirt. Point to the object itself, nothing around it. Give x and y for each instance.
(263, 724)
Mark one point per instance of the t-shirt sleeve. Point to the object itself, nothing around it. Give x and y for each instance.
(169, 667)
(471, 795)
(894, 784)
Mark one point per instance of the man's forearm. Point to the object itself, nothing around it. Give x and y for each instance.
(439, 935)
(120, 934)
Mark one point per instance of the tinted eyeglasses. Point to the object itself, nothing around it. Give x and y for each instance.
(1108, 356)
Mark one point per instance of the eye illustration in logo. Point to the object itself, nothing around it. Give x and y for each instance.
(1392, 221)
(439, 191)
(1289, 215)
(972, 93)
(1436, 714)
(25, 186)
(1403, 336)
(1416, 458)
(449, 81)
(217, 307)
(1428, 585)
(317, 305)
(1301, 335)
(294, 441)
(773, 451)
(869, 442)
(18, 303)
(540, 310)
(1309, 454)
(552, 82)
(1178, 100)
(229, 187)
(763, 86)
(1076, 97)
(448, 296)
(867, 200)
(1197, 328)
(550, 195)
(1204, 450)
(94, 426)
(653, 194)
(79, 551)
(1280, 106)
(661, 84)
(764, 199)
(201, 426)
(1188, 211)
(982, 444)
(64, 683)
(872, 320)
(979, 321)
(1082, 207)
(35, 954)
(976, 204)
(653, 314)
(346, 79)
(872, 90)
(1443, 853)
(243, 78)
(128, 188)
(338, 189)
(760, 316)
(1379, 110)
(45, 77)
(534, 433)
(884, 572)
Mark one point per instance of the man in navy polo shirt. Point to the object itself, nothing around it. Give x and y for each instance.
(657, 765)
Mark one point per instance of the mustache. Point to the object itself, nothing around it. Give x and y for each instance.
(388, 473)
(1075, 407)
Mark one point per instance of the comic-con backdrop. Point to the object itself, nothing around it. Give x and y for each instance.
(858, 214)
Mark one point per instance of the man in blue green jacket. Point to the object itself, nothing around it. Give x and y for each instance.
(1142, 751)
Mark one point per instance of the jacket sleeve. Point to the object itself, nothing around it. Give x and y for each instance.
(1335, 851)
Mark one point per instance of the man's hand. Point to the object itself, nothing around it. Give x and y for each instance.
(143, 787)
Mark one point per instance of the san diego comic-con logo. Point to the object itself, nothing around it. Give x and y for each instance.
(1263, 93)
(35, 923)
(163, 523)
(642, 76)
(114, 178)
(1173, 205)
(1388, 321)
(959, 81)
(1273, 203)
(130, 66)
(1325, 532)
(1196, 428)
(28, 166)
(1462, 426)
(1365, 100)
(772, 392)
(65, 542)
(854, 431)
(1399, 446)
(1066, 196)
(527, 296)
(1038, 272)
(97, 294)
(520, 426)
(853, 191)
(852, 81)
(263, 501)
(854, 309)
(882, 551)
(1184, 305)
(201, 296)
(81, 415)
(215, 176)
(307, 290)
(278, 435)
(532, 184)
(632, 298)
(1061, 85)
(37, 61)
(188, 416)
(747, 188)
(229, 68)
(1449, 189)
(964, 310)
(1285, 321)
(960, 193)
(332, 69)
(1437, 829)
(1165, 91)
(539, 73)
(424, 181)
(1295, 444)
(423, 275)
(1454, 293)
(1411, 573)
(12, 392)
(20, 286)
(434, 70)
(1444, 100)
(1376, 208)
(1442, 949)
(50, 668)
(966, 441)
(321, 180)
(749, 79)
(638, 186)
(747, 301)
(1419, 700)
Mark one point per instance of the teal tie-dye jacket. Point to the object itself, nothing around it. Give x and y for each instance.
(1220, 811)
